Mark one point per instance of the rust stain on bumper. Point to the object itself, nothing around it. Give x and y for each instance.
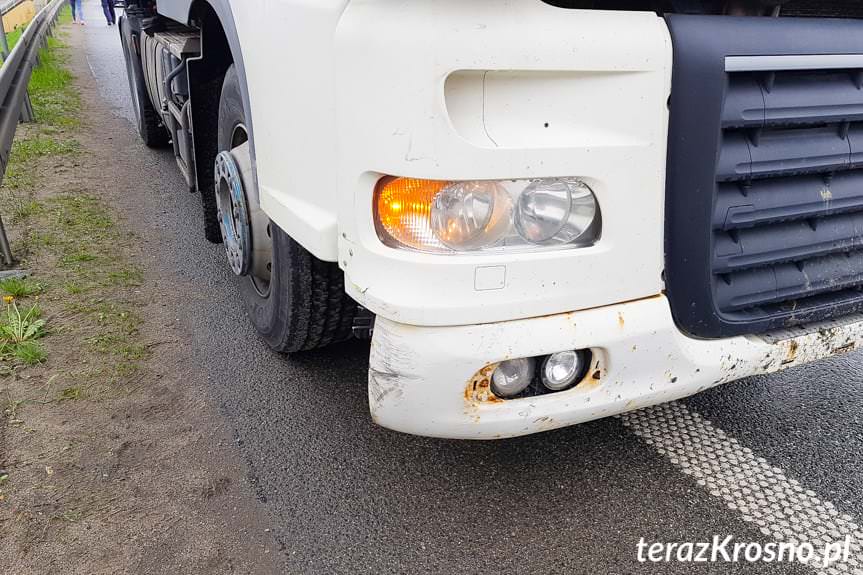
(478, 390)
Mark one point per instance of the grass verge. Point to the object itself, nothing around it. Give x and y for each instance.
(69, 332)
(79, 291)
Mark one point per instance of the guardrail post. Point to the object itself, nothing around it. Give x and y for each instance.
(5, 250)
(4, 44)
(27, 114)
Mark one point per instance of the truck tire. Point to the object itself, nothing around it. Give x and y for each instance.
(147, 119)
(303, 306)
(209, 113)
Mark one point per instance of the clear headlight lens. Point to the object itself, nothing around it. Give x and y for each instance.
(555, 211)
(486, 215)
(471, 215)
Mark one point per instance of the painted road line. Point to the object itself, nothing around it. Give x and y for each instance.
(762, 494)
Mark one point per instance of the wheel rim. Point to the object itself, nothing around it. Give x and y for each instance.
(245, 228)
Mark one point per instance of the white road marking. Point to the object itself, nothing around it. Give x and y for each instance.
(92, 70)
(763, 495)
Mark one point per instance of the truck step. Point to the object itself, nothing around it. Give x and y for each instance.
(182, 43)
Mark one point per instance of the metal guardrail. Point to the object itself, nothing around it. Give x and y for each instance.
(9, 5)
(14, 78)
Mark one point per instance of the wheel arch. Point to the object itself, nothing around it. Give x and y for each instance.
(191, 12)
(220, 48)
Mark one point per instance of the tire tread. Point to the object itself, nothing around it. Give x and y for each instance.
(306, 306)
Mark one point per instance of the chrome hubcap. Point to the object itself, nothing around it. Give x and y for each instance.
(233, 214)
(244, 225)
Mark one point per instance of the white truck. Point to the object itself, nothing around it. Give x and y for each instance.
(542, 212)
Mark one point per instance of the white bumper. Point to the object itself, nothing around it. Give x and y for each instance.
(428, 380)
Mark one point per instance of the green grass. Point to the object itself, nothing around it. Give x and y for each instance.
(19, 287)
(65, 15)
(78, 257)
(81, 215)
(19, 331)
(26, 209)
(29, 149)
(13, 36)
(56, 107)
(19, 173)
(17, 326)
(74, 233)
(126, 277)
(54, 99)
(71, 393)
(30, 352)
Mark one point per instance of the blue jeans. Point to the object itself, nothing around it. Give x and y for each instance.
(77, 10)
(108, 9)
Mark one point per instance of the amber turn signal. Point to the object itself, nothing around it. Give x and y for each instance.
(403, 211)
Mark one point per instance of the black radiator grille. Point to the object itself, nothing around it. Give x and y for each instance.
(824, 8)
(764, 203)
(788, 211)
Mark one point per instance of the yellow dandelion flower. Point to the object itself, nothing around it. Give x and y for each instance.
(8, 298)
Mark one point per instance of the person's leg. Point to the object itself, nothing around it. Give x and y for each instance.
(105, 5)
(74, 11)
(113, 14)
(80, 12)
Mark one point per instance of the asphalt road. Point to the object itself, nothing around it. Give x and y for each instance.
(345, 496)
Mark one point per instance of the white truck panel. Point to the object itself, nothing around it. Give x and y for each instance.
(464, 90)
(288, 48)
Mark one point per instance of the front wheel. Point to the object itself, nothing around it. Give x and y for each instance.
(295, 301)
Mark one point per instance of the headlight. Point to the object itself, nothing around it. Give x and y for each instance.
(555, 211)
(471, 215)
(486, 215)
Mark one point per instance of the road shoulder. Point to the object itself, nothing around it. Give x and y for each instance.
(115, 457)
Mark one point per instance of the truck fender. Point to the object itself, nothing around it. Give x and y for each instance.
(182, 10)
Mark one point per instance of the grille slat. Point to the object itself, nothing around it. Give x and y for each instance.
(735, 159)
(772, 153)
(790, 283)
(744, 103)
(771, 201)
(801, 98)
(800, 151)
(758, 246)
(855, 137)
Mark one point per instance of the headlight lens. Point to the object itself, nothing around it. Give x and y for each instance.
(471, 215)
(486, 215)
(555, 211)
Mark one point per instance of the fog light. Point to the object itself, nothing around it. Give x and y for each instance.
(562, 370)
(512, 377)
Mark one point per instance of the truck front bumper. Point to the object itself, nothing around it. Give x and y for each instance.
(434, 380)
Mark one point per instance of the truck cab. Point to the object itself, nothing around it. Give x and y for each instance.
(541, 212)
